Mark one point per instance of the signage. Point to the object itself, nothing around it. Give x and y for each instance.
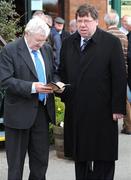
(36, 5)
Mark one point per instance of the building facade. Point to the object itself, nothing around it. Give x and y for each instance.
(67, 8)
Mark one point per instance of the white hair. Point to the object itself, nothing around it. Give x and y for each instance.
(72, 22)
(37, 25)
(111, 18)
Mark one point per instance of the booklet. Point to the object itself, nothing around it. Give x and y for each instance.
(56, 87)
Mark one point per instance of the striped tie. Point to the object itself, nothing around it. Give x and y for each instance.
(85, 42)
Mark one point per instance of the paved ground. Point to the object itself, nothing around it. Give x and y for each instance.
(60, 169)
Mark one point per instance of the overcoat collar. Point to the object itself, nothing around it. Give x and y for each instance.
(88, 56)
(93, 41)
(77, 38)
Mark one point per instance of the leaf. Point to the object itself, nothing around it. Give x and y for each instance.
(9, 20)
(60, 111)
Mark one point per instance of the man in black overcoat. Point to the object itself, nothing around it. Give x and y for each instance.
(92, 62)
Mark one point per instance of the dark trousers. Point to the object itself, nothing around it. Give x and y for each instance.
(99, 170)
(34, 140)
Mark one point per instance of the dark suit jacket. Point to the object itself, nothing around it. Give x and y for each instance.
(17, 74)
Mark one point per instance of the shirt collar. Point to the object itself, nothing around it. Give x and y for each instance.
(82, 40)
(30, 50)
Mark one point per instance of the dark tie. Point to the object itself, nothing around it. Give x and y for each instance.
(40, 73)
(85, 42)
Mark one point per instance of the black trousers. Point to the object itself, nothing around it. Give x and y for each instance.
(34, 140)
(98, 170)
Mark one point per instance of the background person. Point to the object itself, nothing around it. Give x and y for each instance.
(57, 36)
(49, 20)
(129, 57)
(29, 103)
(127, 125)
(72, 26)
(123, 27)
(112, 20)
(41, 15)
(92, 62)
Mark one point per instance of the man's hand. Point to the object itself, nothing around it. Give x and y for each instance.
(117, 116)
(42, 88)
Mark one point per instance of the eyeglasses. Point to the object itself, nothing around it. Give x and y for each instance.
(84, 21)
(38, 41)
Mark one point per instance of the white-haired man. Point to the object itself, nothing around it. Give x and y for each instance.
(112, 20)
(72, 26)
(29, 103)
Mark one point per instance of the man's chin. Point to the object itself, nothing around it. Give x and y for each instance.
(84, 35)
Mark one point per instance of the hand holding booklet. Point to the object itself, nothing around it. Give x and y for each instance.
(57, 86)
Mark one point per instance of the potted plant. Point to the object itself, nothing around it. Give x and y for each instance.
(58, 131)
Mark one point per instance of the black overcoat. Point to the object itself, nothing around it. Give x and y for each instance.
(98, 89)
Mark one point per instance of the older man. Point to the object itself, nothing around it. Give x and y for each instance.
(112, 21)
(26, 68)
(72, 26)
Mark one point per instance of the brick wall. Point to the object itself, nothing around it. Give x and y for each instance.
(72, 5)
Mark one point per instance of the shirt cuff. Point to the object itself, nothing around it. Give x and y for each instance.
(33, 90)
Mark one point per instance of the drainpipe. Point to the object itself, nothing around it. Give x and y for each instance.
(116, 4)
(28, 10)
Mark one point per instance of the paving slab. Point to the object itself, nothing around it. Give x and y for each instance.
(62, 169)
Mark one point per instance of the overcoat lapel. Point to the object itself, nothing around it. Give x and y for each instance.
(76, 42)
(88, 56)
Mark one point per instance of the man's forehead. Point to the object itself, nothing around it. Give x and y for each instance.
(38, 36)
(85, 17)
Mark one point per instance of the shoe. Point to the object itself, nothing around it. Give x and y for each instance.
(123, 131)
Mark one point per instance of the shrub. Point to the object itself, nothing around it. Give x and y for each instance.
(60, 110)
(9, 20)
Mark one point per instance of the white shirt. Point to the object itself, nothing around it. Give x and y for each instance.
(33, 90)
(81, 42)
(122, 29)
